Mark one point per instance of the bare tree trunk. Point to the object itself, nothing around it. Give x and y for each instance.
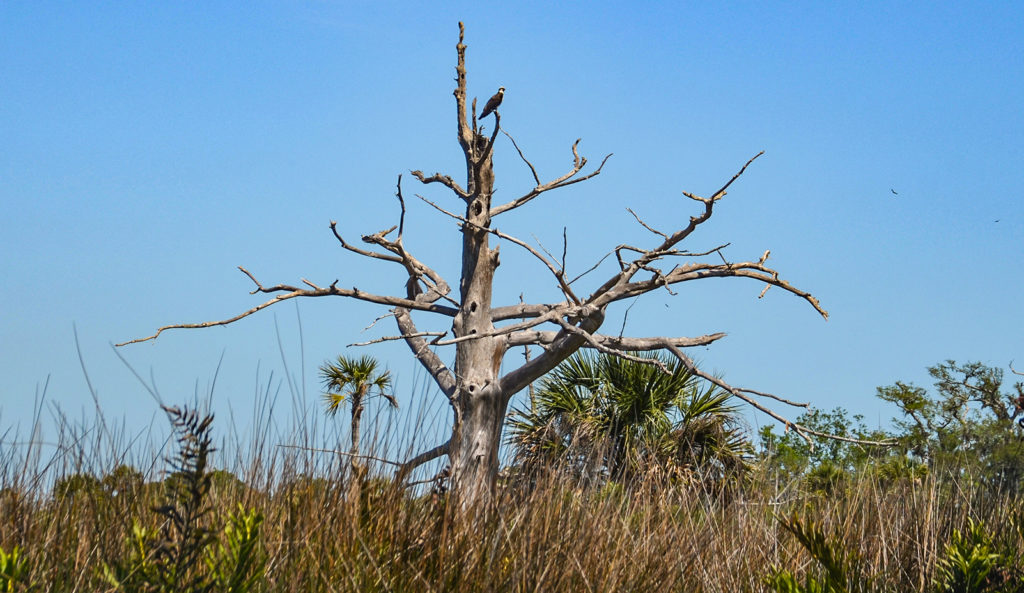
(474, 459)
(355, 484)
(480, 402)
(357, 416)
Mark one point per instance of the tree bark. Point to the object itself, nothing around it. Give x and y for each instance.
(480, 403)
(355, 484)
(357, 415)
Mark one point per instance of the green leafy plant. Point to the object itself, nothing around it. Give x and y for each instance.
(13, 570)
(237, 562)
(602, 417)
(838, 569)
(235, 565)
(970, 564)
(138, 572)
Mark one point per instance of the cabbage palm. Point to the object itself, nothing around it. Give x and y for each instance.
(354, 380)
(602, 416)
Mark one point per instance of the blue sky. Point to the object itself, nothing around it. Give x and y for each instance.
(149, 149)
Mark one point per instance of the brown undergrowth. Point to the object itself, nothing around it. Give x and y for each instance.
(72, 514)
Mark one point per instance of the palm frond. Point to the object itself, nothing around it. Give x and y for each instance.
(626, 416)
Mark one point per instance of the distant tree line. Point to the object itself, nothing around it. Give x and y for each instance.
(968, 426)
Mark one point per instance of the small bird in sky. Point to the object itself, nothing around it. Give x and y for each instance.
(493, 102)
(893, 191)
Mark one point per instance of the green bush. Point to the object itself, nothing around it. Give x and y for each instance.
(971, 564)
(13, 571)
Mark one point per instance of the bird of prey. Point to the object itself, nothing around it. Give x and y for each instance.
(893, 191)
(493, 102)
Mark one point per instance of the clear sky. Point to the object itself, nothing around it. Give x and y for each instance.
(150, 148)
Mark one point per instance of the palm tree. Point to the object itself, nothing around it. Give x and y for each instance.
(354, 380)
(605, 417)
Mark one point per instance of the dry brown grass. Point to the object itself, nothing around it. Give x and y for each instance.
(554, 537)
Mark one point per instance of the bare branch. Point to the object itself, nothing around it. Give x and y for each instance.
(293, 292)
(380, 238)
(523, 311)
(596, 344)
(625, 316)
(536, 178)
(401, 204)
(803, 431)
(565, 247)
(430, 361)
(679, 253)
(346, 454)
(379, 318)
(659, 277)
(643, 263)
(775, 397)
(442, 376)
(395, 338)
(445, 180)
(541, 245)
(627, 272)
(700, 271)
(490, 143)
(437, 289)
(429, 455)
(559, 274)
(465, 132)
(416, 269)
(563, 181)
(527, 323)
(721, 192)
(457, 217)
(542, 338)
(592, 268)
(230, 320)
(619, 286)
(644, 224)
(354, 249)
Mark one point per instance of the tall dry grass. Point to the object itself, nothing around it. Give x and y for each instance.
(71, 510)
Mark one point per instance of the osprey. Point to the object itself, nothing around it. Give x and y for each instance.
(493, 103)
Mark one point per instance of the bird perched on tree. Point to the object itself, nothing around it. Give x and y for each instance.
(493, 102)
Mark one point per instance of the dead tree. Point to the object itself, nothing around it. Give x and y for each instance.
(483, 333)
